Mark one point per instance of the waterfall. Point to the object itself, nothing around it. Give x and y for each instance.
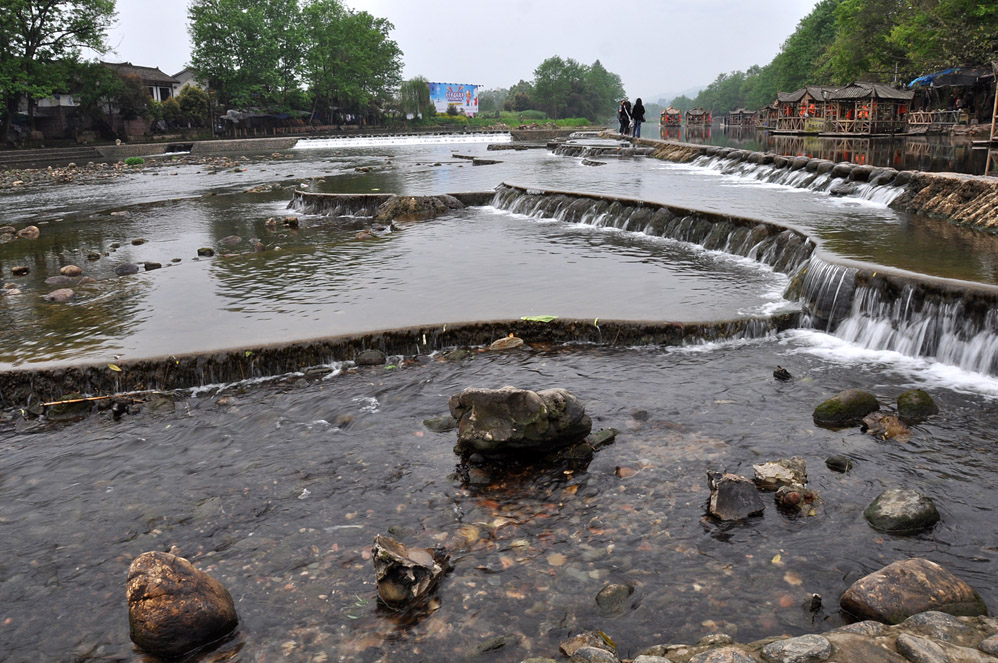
(781, 248)
(946, 321)
(403, 139)
(874, 184)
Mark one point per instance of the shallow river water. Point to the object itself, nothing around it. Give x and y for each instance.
(278, 487)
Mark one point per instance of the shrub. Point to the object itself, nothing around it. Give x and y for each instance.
(452, 109)
(134, 161)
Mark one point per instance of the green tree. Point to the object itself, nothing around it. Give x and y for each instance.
(193, 103)
(351, 63)
(492, 100)
(945, 33)
(246, 50)
(37, 37)
(552, 84)
(862, 49)
(414, 96)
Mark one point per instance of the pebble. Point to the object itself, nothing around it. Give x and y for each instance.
(126, 269)
(70, 270)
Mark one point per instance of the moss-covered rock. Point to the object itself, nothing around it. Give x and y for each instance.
(915, 405)
(847, 408)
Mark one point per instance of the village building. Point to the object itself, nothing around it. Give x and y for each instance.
(867, 109)
(671, 117)
(697, 118)
(160, 86)
(741, 118)
(802, 111)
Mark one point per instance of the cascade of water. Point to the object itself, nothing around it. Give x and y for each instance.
(799, 178)
(411, 139)
(781, 248)
(916, 318)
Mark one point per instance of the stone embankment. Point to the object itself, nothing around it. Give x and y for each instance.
(965, 199)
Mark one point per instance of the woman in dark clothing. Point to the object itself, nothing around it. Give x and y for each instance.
(624, 116)
(637, 116)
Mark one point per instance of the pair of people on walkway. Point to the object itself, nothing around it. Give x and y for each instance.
(630, 118)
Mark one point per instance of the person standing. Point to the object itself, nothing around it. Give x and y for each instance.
(624, 116)
(637, 117)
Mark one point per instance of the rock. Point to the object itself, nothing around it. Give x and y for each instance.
(733, 497)
(497, 643)
(7, 230)
(650, 659)
(371, 358)
(908, 587)
(936, 625)
(507, 343)
(442, 424)
(854, 648)
(93, 256)
(847, 408)
(782, 374)
(989, 645)
(173, 607)
(231, 240)
(20, 270)
(206, 252)
(915, 405)
(70, 270)
(58, 280)
(291, 222)
(804, 649)
(901, 511)
(458, 354)
(270, 224)
(29, 232)
(60, 296)
(415, 208)
(86, 280)
(126, 269)
(861, 173)
(723, 655)
(783, 472)
(885, 427)
(796, 497)
(138, 241)
(593, 655)
(516, 422)
(920, 650)
(150, 266)
(405, 576)
(612, 599)
(842, 189)
(838, 463)
(586, 639)
(70, 408)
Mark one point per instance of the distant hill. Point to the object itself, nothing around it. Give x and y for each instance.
(664, 98)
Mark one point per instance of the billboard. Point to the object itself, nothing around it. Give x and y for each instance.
(465, 97)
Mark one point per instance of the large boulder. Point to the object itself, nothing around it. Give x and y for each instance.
(508, 422)
(174, 608)
(908, 587)
(415, 208)
(847, 408)
(733, 497)
(899, 510)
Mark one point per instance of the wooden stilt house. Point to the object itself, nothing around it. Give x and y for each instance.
(765, 117)
(741, 118)
(802, 111)
(697, 118)
(866, 109)
(671, 117)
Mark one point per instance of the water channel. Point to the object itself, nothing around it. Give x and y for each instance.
(278, 487)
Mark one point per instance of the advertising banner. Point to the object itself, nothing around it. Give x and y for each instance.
(465, 97)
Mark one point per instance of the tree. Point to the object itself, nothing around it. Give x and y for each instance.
(351, 64)
(414, 96)
(193, 103)
(37, 37)
(492, 100)
(551, 85)
(246, 50)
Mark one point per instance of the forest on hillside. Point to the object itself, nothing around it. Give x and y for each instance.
(881, 41)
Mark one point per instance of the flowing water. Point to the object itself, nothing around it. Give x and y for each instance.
(279, 488)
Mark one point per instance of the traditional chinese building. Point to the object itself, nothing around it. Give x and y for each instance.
(697, 117)
(866, 109)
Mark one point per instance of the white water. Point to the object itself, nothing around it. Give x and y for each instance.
(422, 139)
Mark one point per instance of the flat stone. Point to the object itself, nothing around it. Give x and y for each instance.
(651, 659)
(920, 650)
(936, 625)
(584, 639)
(783, 472)
(908, 587)
(865, 627)
(593, 655)
(855, 648)
(899, 510)
(723, 655)
(60, 296)
(126, 269)
(733, 497)
(804, 649)
(612, 599)
(838, 463)
(371, 358)
(989, 645)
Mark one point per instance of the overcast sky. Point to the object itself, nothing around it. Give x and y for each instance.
(657, 46)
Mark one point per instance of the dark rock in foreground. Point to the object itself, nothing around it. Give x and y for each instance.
(908, 587)
(511, 422)
(405, 576)
(733, 497)
(847, 408)
(416, 208)
(174, 608)
(915, 405)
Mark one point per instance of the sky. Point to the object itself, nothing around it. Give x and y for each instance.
(658, 47)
